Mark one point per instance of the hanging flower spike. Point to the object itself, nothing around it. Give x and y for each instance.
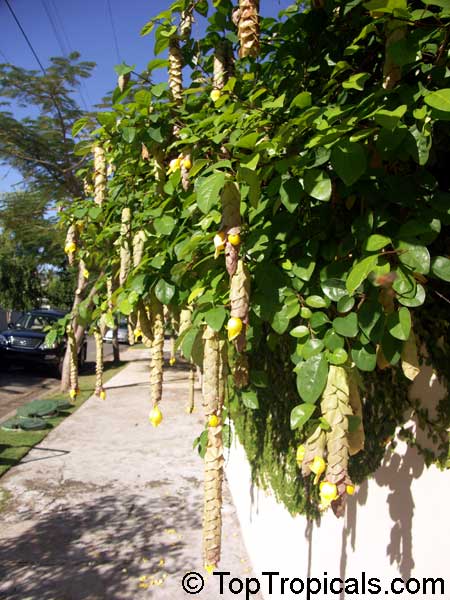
(248, 28)
(175, 70)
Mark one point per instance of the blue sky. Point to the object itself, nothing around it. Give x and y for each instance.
(85, 26)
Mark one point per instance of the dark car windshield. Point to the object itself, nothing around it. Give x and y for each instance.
(35, 322)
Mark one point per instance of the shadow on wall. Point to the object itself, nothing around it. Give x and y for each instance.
(95, 550)
(397, 472)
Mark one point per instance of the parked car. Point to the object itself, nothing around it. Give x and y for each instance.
(122, 333)
(24, 341)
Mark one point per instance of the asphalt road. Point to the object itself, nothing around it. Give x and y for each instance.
(24, 383)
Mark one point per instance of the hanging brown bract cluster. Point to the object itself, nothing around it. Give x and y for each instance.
(175, 67)
(240, 300)
(98, 361)
(99, 175)
(156, 365)
(248, 28)
(125, 243)
(336, 409)
(231, 223)
(213, 397)
(223, 64)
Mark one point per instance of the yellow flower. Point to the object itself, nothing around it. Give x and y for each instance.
(70, 248)
(210, 568)
(187, 163)
(174, 165)
(73, 393)
(318, 466)
(155, 417)
(328, 493)
(219, 243)
(172, 361)
(215, 95)
(213, 421)
(234, 239)
(350, 489)
(85, 273)
(300, 454)
(103, 395)
(234, 327)
(137, 334)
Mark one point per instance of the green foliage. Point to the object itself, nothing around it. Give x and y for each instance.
(344, 202)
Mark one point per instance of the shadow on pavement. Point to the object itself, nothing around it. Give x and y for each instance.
(97, 549)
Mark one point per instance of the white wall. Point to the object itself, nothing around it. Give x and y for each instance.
(396, 525)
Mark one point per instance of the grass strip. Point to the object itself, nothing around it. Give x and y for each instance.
(14, 445)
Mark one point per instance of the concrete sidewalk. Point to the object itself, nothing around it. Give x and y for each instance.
(109, 507)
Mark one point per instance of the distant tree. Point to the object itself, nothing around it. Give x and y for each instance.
(41, 147)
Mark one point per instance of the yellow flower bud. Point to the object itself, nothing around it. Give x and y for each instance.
(210, 568)
(300, 454)
(213, 421)
(103, 395)
(350, 489)
(172, 361)
(234, 239)
(137, 334)
(234, 328)
(70, 248)
(318, 466)
(73, 393)
(219, 243)
(155, 417)
(187, 163)
(85, 273)
(328, 493)
(215, 95)
(174, 165)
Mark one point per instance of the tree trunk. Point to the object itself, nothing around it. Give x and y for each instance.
(115, 346)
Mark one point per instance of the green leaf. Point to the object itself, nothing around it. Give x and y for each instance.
(414, 256)
(439, 99)
(79, 125)
(376, 242)
(334, 288)
(349, 161)
(188, 341)
(399, 324)
(333, 341)
(208, 191)
(317, 184)
(371, 321)
(312, 378)
(250, 399)
(290, 194)
(318, 319)
(280, 321)
(125, 307)
(316, 302)
(389, 119)
(356, 82)
(345, 304)
(338, 357)
(413, 301)
(392, 348)
(302, 100)
(360, 272)
(312, 347)
(364, 357)
(164, 225)
(346, 326)
(301, 414)
(109, 320)
(440, 267)
(128, 134)
(164, 291)
(137, 284)
(215, 317)
(300, 331)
